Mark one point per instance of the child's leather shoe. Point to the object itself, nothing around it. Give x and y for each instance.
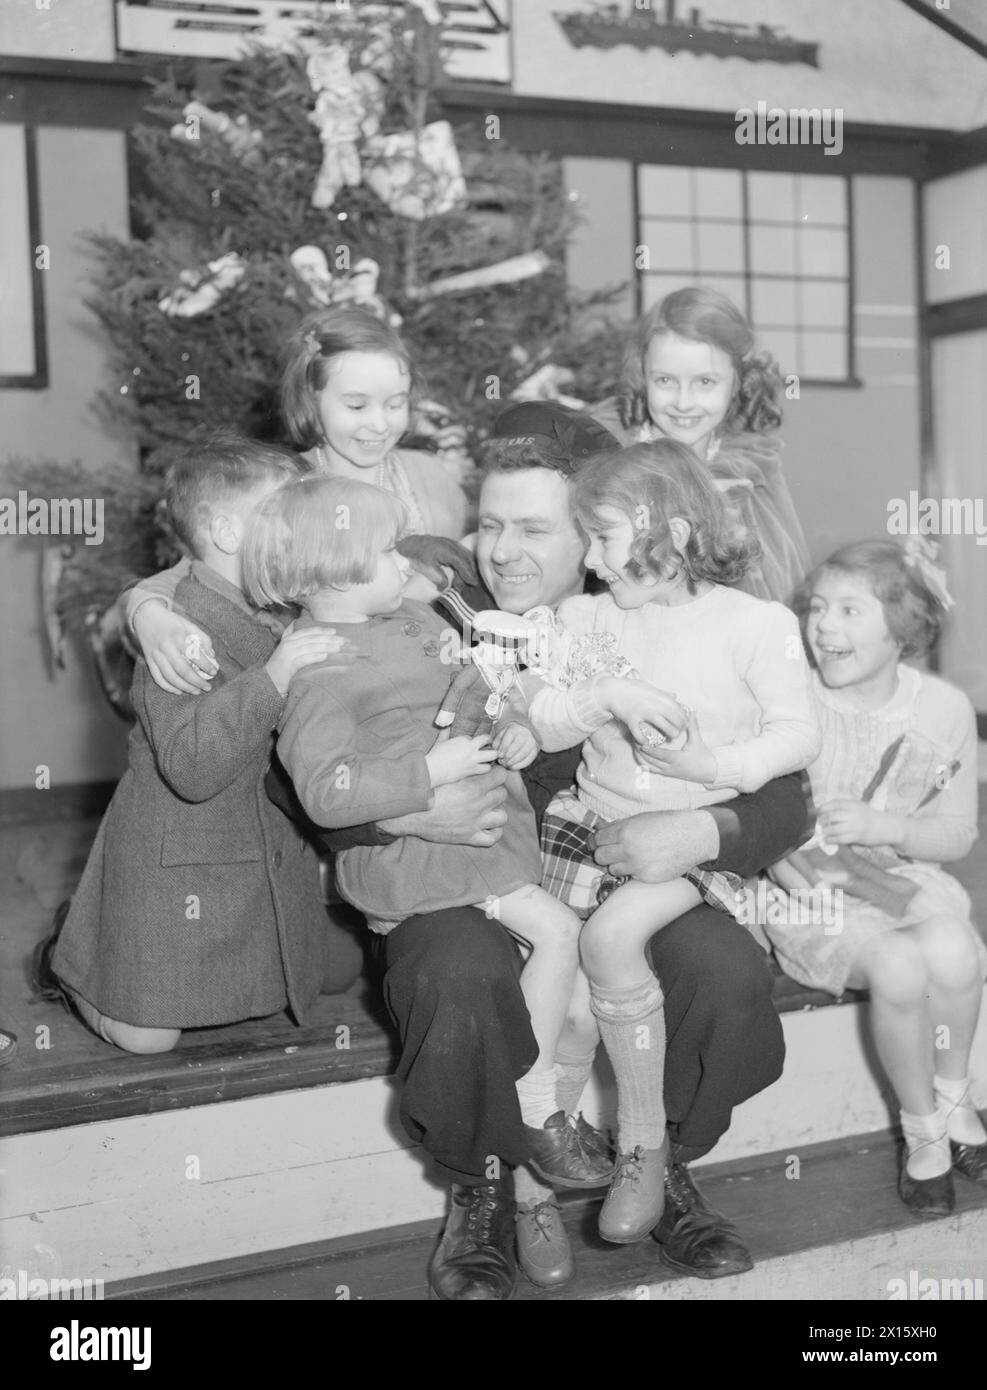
(544, 1254)
(636, 1199)
(559, 1158)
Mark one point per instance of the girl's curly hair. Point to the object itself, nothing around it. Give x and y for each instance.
(651, 483)
(706, 316)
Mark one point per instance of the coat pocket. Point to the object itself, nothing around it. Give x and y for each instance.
(196, 845)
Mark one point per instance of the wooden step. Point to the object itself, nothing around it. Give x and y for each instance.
(830, 1227)
(133, 1195)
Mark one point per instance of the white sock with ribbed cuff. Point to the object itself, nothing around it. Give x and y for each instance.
(571, 1076)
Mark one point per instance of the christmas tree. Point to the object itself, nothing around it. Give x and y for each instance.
(298, 178)
(323, 174)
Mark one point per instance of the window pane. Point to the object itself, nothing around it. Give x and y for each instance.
(783, 345)
(824, 355)
(655, 287)
(821, 199)
(664, 189)
(771, 197)
(775, 303)
(822, 252)
(718, 193)
(669, 245)
(721, 246)
(772, 250)
(823, 306)
(17, 350)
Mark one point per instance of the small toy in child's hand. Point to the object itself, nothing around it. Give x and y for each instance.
(478, 694)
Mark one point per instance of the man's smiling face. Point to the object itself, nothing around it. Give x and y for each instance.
(529, 550)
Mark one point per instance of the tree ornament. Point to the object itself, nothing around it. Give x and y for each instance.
(503, 273)
(546, 385)
(357, 286)
(347, 110)
(198, 292)
(417, 178)
(239, 135)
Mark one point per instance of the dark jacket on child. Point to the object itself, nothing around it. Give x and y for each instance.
(200, 902)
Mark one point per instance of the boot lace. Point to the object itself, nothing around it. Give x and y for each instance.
(481, 1212)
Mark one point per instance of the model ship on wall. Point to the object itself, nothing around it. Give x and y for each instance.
(643, 28)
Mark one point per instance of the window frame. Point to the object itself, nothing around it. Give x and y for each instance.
(851, 379)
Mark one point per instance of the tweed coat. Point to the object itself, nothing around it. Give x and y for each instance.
(200, 902)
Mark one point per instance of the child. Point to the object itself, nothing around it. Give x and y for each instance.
(897, 779)
(360, 745)
(692, 375)
(346, 396)
(659, 540)
(199, 905)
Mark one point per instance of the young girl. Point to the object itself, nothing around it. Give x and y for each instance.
(692, 375)
(660, 541)
(346, 396)
(360, 744)
(897, 779)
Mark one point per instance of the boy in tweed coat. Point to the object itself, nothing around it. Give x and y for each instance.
(200, 904)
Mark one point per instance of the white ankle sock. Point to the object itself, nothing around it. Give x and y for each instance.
(571, 1076)
(536, 1092)
(963, 1124)
(928, 1145)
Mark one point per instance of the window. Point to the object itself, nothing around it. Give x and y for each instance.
(776, 244)
(22, 335)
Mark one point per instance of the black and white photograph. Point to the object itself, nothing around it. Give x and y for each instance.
(493, 546)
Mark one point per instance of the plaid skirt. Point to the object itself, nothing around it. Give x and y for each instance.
(571, 874)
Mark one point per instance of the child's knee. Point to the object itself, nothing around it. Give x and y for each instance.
(950, 952)
(131, 1038)
(558, 925)
(600, 943)
(894, 969)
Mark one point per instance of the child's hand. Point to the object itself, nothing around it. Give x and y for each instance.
(179, 655)
(516, 746)
(452, 759)
(848, 822)
(306, 647)
(640, 705)
(693, 761)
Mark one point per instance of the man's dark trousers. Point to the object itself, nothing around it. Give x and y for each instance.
(452, 986)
